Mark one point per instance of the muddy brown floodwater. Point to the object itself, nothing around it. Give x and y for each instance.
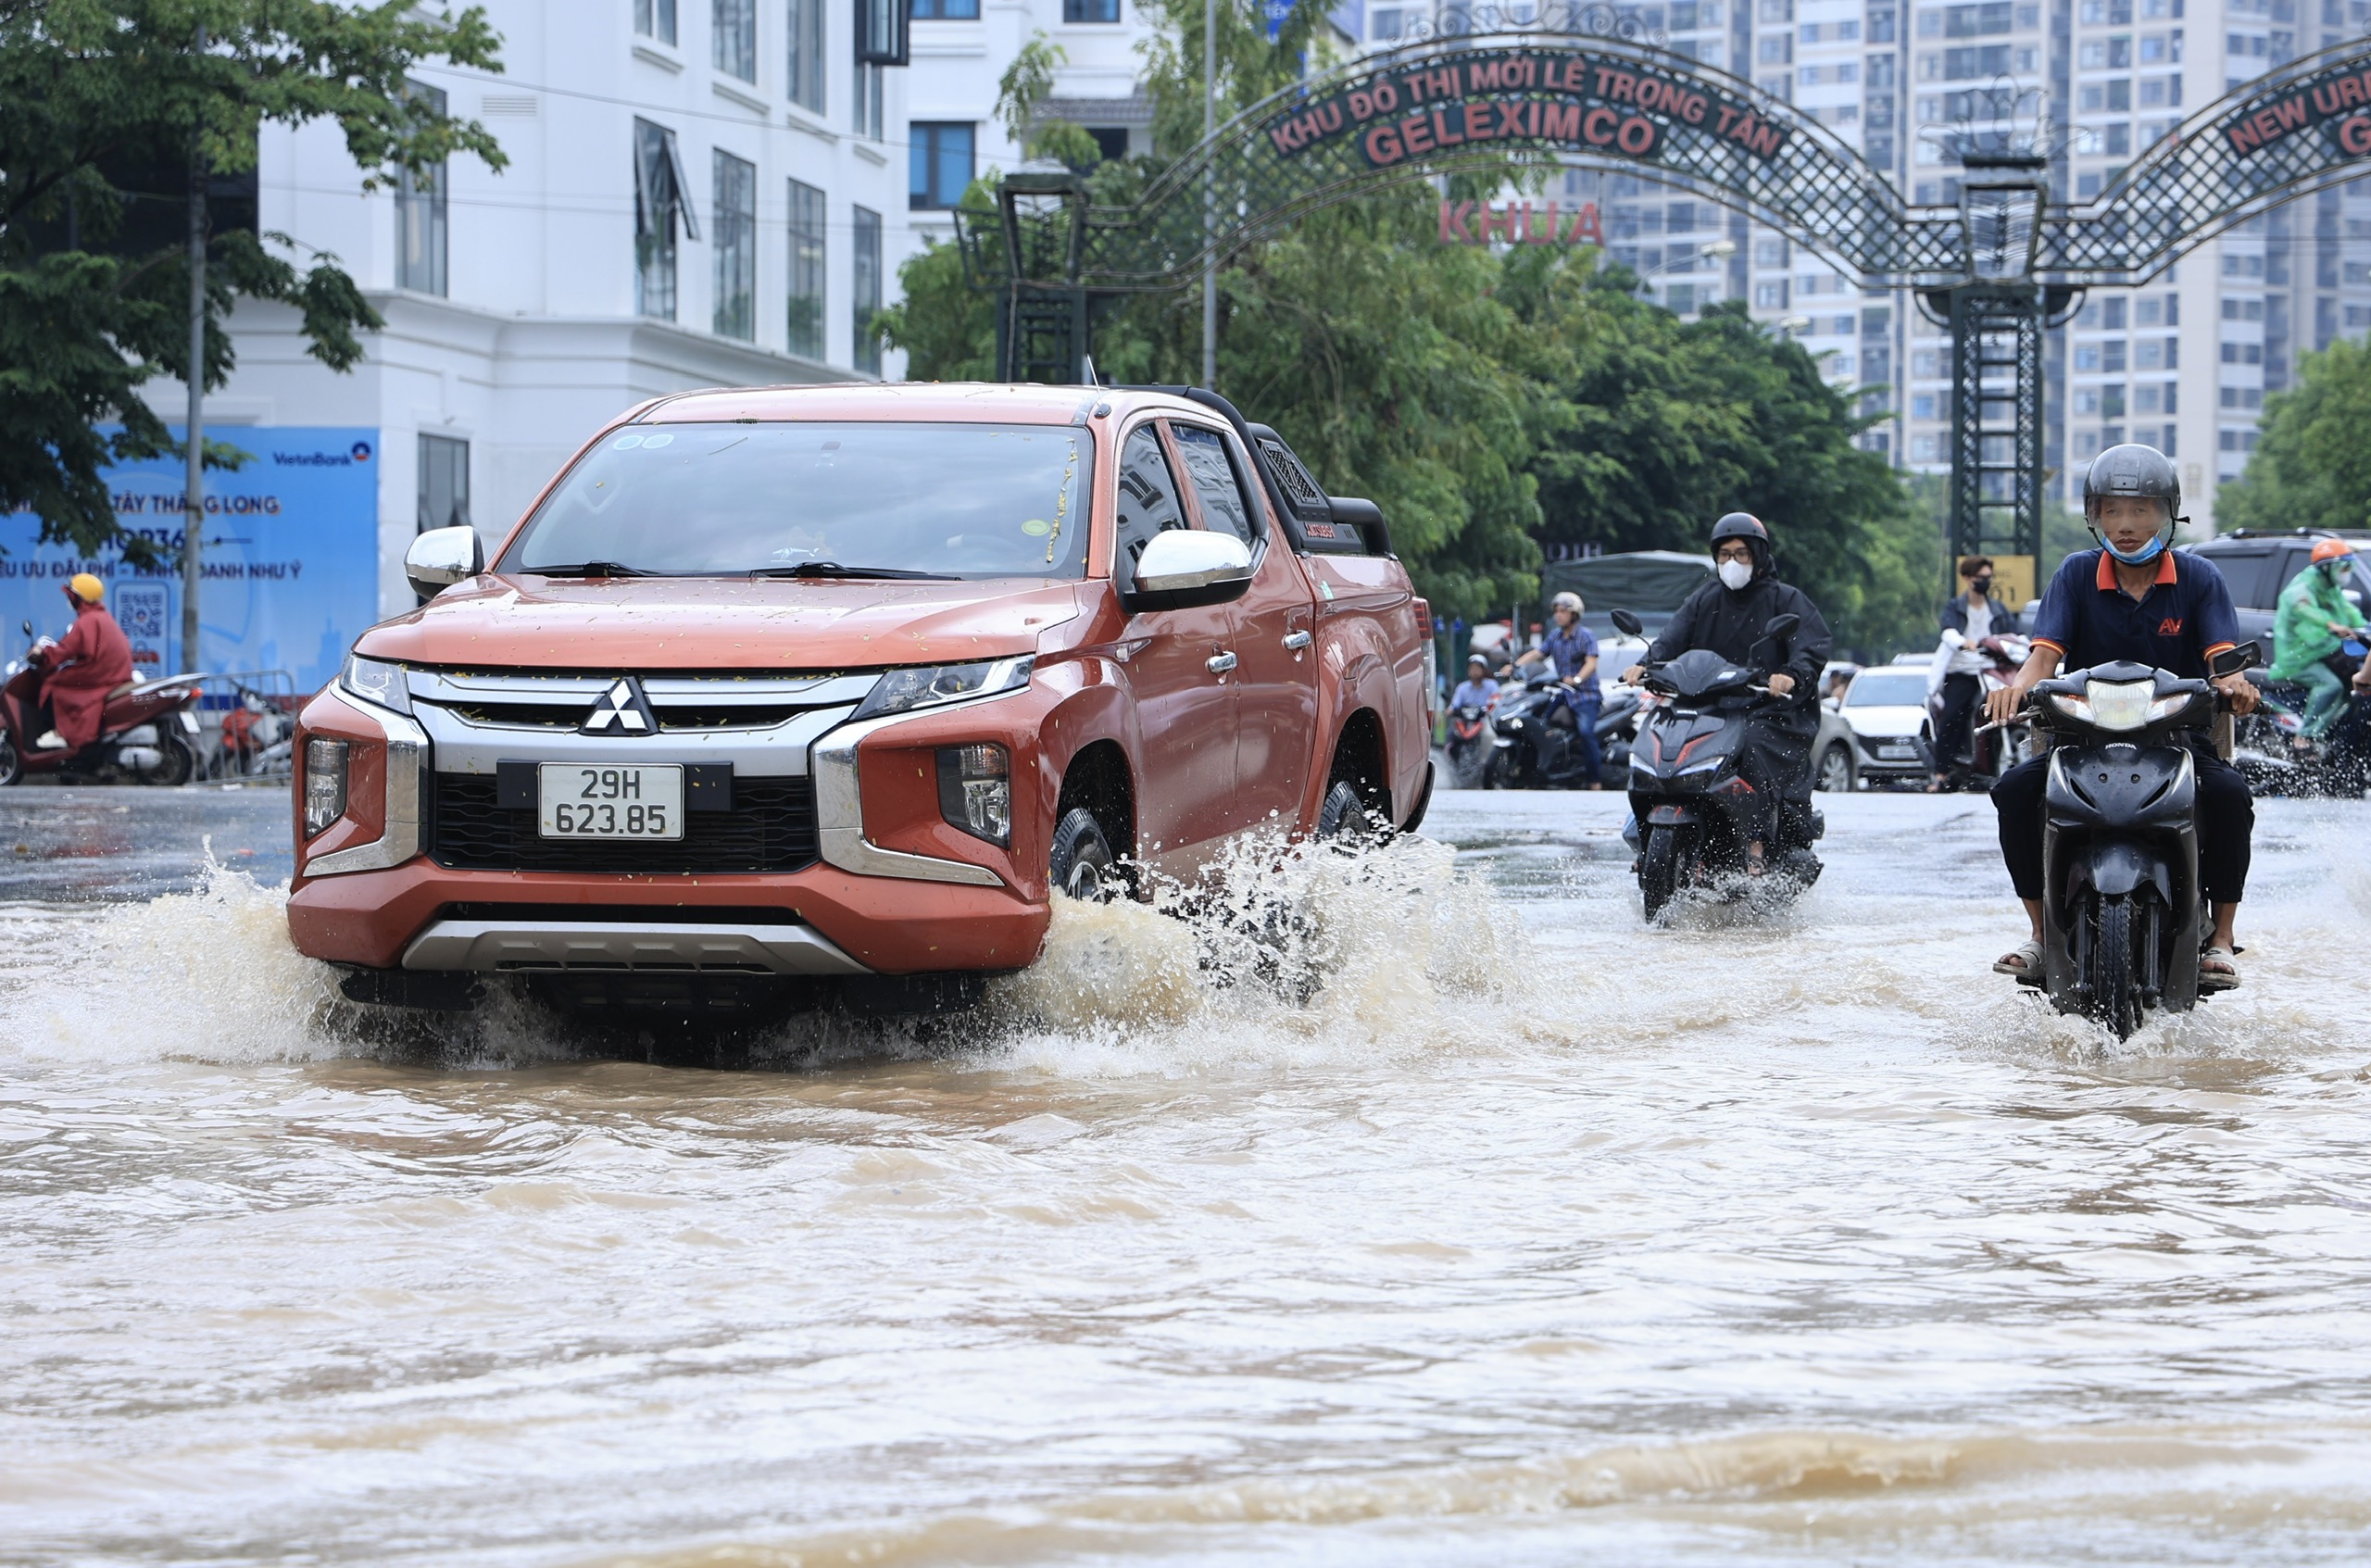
(1531, 1235)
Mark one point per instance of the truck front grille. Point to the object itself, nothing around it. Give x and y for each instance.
(771, 828)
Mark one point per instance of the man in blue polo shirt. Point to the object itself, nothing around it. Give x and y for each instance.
(2133, 598)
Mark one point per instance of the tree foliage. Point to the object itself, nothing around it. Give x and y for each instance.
(90, 89)
(1490, 402)
(2312, 465)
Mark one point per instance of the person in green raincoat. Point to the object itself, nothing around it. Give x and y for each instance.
(2314, 617)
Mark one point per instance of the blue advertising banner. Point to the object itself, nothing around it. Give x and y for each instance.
(291, 553)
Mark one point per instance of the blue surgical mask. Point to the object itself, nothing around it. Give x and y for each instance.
(2141, 557)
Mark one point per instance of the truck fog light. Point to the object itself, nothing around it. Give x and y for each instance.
(324, 784)
(975, 790)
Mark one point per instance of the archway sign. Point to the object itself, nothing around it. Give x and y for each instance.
(1579, 85)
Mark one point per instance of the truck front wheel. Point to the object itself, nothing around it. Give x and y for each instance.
(1082, 864)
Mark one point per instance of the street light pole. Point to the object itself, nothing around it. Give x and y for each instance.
(1210, 195)
(193, 499)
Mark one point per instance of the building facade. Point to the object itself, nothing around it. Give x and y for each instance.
(698, 192)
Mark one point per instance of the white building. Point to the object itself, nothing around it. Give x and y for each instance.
(700, 191)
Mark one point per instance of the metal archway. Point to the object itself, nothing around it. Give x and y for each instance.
(1569, 89)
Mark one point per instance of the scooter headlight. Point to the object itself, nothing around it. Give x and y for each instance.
(2074, 706)
(2166, 707)
(2119, 704)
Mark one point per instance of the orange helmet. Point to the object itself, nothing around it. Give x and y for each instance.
(2331, 550)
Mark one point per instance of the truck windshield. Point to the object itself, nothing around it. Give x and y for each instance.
(819, 500)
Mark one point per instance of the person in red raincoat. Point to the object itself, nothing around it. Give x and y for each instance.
(94, 659)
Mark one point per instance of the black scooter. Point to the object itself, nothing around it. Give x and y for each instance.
(1685, 771)
(2123, 914)
(1534, 749)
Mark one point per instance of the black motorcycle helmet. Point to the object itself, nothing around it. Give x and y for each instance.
(1748, 527)
(2133, 470)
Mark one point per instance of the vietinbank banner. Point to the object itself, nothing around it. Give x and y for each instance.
(290, 549)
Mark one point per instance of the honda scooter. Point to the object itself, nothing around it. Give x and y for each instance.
(2124, 917)
(1472, 744)
(1685, 771)
(1991, 752)
(148, 731)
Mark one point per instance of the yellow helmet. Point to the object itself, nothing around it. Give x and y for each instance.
(85, 587)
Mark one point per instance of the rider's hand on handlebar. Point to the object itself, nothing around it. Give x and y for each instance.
(1635, 674)
(2239, 691)
(1781, 683)
(2002, 704)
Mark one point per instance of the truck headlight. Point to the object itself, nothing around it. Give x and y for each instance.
(902, 691)
(376, 682)
(975, 790)
(324, 784)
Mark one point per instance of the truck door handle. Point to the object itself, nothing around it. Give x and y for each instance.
(1219, 663)
(1295, 640)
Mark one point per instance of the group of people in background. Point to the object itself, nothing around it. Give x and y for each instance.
(1570, 650)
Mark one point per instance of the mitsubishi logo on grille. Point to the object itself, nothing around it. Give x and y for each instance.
(623, 709)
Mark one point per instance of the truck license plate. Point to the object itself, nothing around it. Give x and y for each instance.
(579, 800)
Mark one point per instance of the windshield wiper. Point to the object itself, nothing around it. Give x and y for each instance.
(834, 569)
(589, 568)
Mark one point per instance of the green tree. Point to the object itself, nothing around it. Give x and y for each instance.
(94, 93)
(2312, 465)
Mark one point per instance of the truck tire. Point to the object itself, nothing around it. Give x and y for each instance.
(1344, 816)
(1081, 864)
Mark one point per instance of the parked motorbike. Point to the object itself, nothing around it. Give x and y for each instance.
(1617, 731)
(1991, 751)
(2265, 743)
(1685, 771)
(1472, 745)
(146, 730)
(2123, 915)
(257, 739)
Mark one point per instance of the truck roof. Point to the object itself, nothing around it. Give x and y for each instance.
(950, 402)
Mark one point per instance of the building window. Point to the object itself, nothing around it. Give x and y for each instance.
(872, 83)
(1090, 10)
(659, 202)
(804, 86)
(419, 213)
(734, 30)
(939, 164)
(806, 271)
(947, 11)
(736, 246)
(443, 483)
(655, 19)
(865, 282)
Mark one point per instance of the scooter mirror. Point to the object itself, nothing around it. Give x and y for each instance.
(1782, 624)
(1627, 622)
(2230, 662)
(28, 628)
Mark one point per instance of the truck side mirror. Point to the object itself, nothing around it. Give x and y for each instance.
(1183, 569)
(443, 557)
(1627, 622)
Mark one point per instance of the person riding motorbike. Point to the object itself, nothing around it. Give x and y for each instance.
(78, 671)
(1571, 648)
(2314, 619)
(2132, 598)
(1477, 690)
(1974, 615)
(1727, 615)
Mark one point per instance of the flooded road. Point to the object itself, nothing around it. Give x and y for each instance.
(1535, 1237)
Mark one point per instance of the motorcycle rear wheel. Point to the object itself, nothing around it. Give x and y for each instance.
(175, 767)
(2115, 976)
(12, 761)
(1658, 870)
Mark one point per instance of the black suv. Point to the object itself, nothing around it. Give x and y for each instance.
(2257, 566)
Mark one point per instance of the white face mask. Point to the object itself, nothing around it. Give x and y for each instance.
(1735, 573)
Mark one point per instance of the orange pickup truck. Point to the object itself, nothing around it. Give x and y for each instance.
(800, 696)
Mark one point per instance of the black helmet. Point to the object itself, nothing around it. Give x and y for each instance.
(2132, 469)
(1740, 525)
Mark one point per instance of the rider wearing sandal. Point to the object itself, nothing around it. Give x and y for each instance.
(2133, 598)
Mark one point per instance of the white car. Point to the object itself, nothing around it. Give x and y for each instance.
(1886, 706)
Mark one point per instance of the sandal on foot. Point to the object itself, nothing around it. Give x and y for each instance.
(2226, 978)
(2024, 960)
(1757, 863)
